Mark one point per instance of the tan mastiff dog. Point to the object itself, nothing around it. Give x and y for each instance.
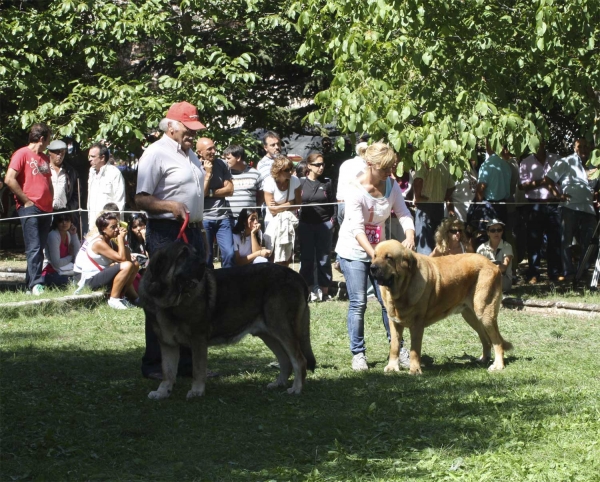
(419, 290)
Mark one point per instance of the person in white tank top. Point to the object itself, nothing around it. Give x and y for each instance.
(101, 265)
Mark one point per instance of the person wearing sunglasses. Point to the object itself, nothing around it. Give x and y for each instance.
(450, 238)
(282, 196)
(315, 228)
(498, 251)
(101, 265)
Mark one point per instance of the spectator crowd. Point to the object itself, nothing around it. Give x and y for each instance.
(509, 210)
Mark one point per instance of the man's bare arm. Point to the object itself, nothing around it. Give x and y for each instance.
(551, 186)
(11, 181)
(153, 205)
(226, 190)
(479, 191)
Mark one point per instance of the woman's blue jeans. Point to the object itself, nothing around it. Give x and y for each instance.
(356, 274)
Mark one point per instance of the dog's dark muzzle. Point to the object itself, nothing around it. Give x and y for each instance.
(379, 275)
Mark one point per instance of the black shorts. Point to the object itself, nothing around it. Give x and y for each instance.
(104, 278)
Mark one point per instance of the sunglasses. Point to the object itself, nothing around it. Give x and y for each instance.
(320, 164)
(495, 230)
(455, 231)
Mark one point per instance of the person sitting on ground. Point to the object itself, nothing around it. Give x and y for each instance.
(136, 236)
(101, 265)
(247, 238)
(498, 251)
(450, 238)
(60, 251)
(108, 208)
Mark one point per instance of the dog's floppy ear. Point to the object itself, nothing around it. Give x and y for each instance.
(405, 261)
(189, 266)
(158, 266)
(155, 274)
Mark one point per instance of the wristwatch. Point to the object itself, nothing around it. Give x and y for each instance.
(210, 193)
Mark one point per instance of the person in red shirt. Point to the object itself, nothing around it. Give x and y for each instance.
(29, 178)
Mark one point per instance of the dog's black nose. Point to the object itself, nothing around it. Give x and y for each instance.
(374, 270)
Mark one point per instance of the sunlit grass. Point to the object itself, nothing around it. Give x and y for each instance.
(75, 407)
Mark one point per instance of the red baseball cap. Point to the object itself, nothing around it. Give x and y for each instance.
(187, 114)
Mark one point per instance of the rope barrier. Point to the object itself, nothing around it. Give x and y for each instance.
(298, 206)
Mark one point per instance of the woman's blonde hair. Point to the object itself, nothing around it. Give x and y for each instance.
(441, 234)
(279, 164)
(380, 154)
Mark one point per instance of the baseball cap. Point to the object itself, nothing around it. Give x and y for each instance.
(494, 222)
(56, 145)
(187, 114)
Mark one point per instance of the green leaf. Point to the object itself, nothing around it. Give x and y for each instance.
(540, 43)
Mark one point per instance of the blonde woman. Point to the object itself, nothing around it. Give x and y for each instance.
(450, 238)
(282, 191)
(369, 200)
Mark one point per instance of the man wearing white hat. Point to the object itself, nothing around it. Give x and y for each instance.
(64, 178)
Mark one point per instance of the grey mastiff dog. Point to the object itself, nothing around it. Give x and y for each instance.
(197, 307)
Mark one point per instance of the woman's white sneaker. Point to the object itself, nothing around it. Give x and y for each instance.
(117, 304)
(359, 362)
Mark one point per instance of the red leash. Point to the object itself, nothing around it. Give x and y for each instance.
(182, 234)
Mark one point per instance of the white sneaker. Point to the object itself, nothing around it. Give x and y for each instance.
(359, 362)
(117, 303)
(37, 290)
(319, 294)
(128, 303)
(404, 358)
(313, 297)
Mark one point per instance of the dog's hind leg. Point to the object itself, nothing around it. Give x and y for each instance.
(283, 359)
(299, 365)
(486, 309)
(170, 360)
(474, 322)
(199, 365)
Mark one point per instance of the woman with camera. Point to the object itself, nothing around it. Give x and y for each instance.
(102, 265)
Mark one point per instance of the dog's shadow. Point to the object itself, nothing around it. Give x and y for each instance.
(450, 364)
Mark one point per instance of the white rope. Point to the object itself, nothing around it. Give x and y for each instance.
(298, 206)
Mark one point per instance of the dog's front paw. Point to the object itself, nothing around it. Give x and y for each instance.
(194, 394)
(415, 371)
(294, 391)
(392, 367)
(158, 395)
(275, 384)
(495, 367)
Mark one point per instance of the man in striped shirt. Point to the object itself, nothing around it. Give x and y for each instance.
(246, 181)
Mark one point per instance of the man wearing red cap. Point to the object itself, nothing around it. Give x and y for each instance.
(170, 184)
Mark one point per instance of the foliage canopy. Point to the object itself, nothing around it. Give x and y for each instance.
(109, 69)
(443, 74)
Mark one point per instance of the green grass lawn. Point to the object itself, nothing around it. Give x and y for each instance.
(75, 407)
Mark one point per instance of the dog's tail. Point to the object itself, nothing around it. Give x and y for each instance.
(506, 345)
(304, 335)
